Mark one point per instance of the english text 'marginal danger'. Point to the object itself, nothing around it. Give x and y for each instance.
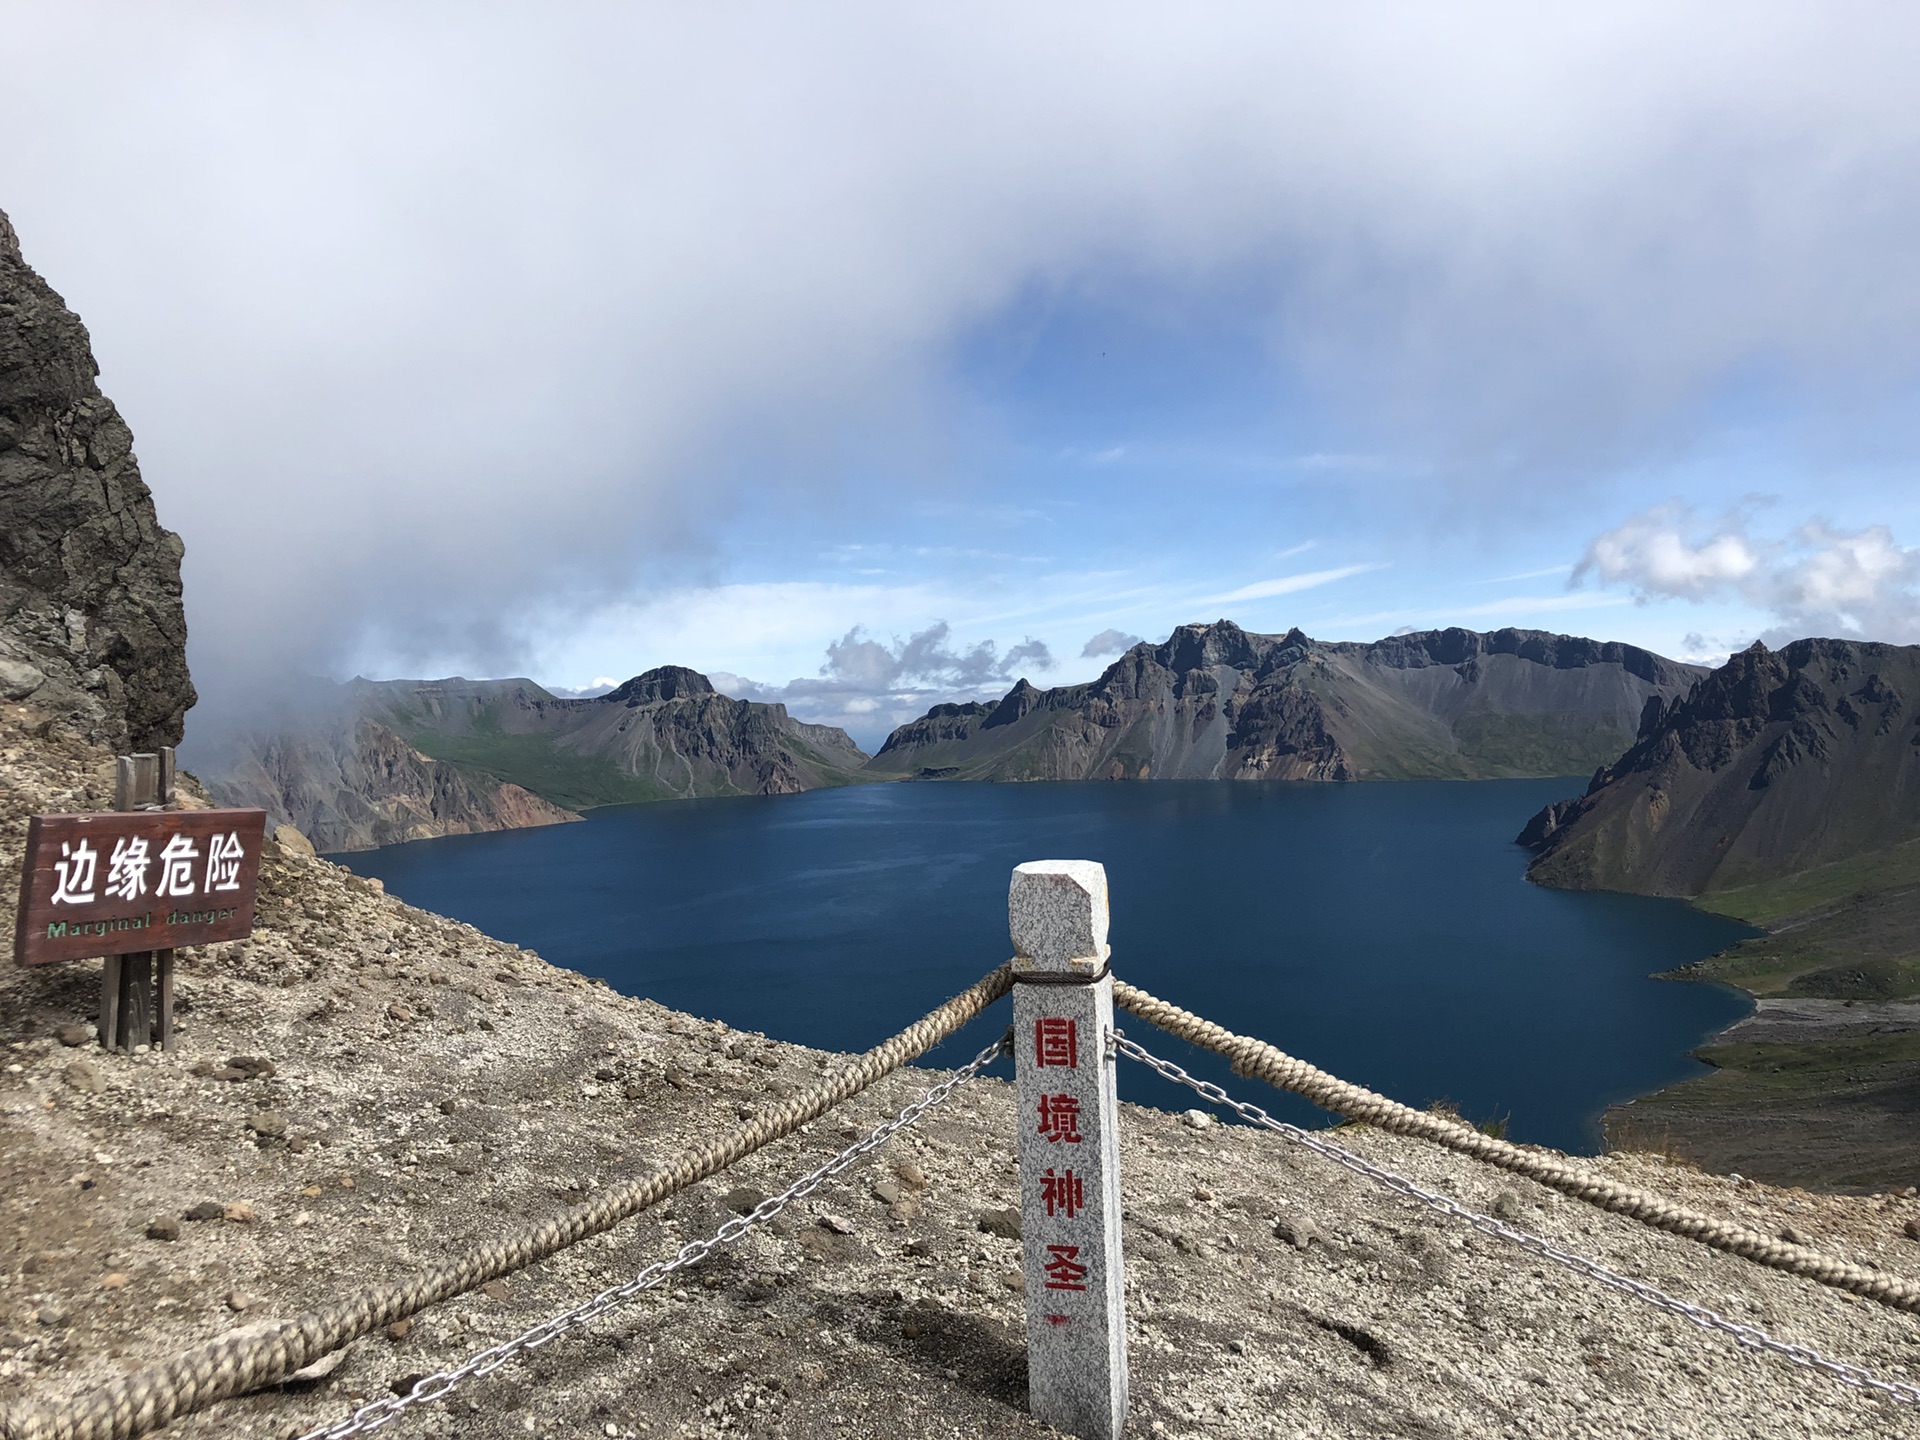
(118, 882)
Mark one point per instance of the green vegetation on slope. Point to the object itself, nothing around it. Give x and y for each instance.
(1836, 1110)
(534, 763)
(1845, 931)
(1499, 746)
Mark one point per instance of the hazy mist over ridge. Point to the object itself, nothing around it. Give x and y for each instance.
(573, 341)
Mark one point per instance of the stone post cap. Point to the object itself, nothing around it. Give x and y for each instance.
(1057, 913)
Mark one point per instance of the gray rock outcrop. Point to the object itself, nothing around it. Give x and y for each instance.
(1215, 702)
(1779, 761)
(92, 633)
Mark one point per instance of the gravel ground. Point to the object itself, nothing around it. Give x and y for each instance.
(363, 1089)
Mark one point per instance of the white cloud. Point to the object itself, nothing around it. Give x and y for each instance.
(429, 314)
(1290, 584)
(1817, 579)
(1108, 642)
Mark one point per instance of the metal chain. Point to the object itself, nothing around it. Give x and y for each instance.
(378, 1413)
(1750, 1336)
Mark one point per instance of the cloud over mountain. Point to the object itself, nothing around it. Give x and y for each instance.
(1816, 579)
(1108, 642)
(432, 317)
(868, 686)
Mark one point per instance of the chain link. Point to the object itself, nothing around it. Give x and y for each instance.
(1748, 1335)
(379, 1413)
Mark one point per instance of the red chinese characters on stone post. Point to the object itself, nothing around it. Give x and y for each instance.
(1060, 1119)
(1056, 1041)
(1064, 1270)
(1064, 1195)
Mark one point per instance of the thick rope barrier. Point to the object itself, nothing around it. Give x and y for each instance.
(194, 1379)
(1261, 1061)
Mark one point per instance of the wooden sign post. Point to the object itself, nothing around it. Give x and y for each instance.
(131, 885)
(1069, 1148)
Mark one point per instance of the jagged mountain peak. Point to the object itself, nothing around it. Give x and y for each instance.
(1778, 761)
(1217, 701)
(1196, 647)
(662, 683)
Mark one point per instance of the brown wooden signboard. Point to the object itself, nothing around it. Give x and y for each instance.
(118, 883)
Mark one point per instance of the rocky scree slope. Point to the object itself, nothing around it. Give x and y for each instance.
(1777, 762)
(1219, 703)
(349, 782)
(92, 633)
(363, 1089)
(405, 759)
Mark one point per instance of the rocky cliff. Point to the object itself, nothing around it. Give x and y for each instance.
(1778, 762)
(666, 734)
(1216, 702)
(351, 783)
(406, 759)
(92, 634)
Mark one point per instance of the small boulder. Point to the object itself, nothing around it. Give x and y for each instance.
(887, 1192)
(73, 1034)
(163, 1227)
(85, 1076)
(1297, 1230)
(1196, 1119)
(1003, 1223)
(1506, 1206)
(837, 1224)
(268, 1124)
(291, 841)
(205, 1210)
(910, 1175)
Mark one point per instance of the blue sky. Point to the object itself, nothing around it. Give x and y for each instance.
(866, 357)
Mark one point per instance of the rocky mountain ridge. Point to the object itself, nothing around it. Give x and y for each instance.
(1778, 762)
(92, 631)
(1218, 702)
(1783, 790)
(405, 759)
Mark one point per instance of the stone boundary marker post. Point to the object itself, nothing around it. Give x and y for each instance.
(1069, 1148)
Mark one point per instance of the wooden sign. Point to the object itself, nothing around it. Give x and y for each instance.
(118, 883)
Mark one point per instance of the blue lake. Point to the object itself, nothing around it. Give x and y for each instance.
(1382, 931)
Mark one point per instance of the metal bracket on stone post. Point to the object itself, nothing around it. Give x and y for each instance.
(1069, 1148)
(128, 1016)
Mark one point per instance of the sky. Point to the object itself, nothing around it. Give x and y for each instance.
(869, 355)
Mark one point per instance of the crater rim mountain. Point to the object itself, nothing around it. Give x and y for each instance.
(376, 762)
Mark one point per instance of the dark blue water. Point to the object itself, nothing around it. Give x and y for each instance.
(1384, 932)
